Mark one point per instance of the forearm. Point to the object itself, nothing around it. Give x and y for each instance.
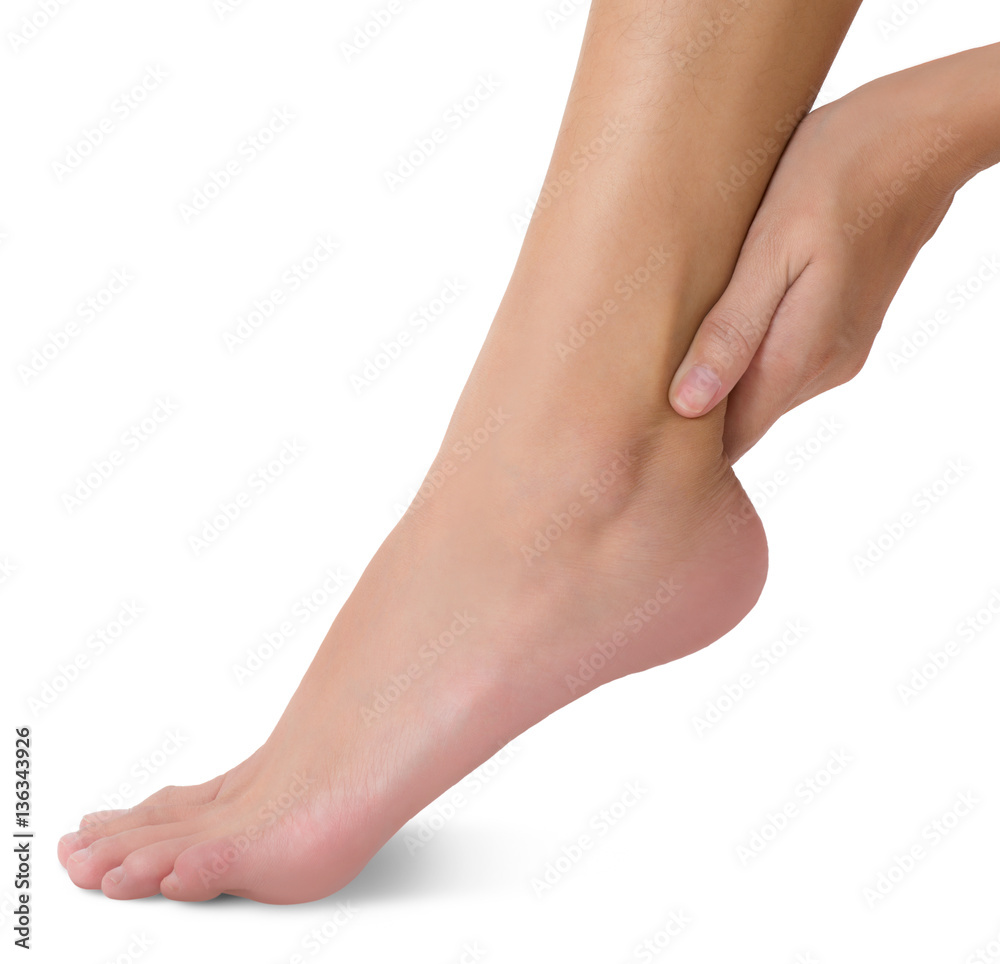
(973, 85)
(944, 124)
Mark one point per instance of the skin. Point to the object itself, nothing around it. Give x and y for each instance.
(654, 549)
(815, 277)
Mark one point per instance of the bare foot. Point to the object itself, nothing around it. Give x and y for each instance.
(542, 566)
(573, 528)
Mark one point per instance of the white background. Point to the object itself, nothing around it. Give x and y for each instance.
(173, 671)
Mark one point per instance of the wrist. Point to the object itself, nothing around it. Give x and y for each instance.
(966, 103)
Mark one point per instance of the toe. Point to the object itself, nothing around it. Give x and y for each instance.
(88, 865)
(70, 843)
(159, 807)
(206, 870)
(192, 796)
(99, 817)
(119, 821)
(141, 872)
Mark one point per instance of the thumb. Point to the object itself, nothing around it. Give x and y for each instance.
(731, 333)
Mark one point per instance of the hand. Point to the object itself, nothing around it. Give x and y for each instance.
(862, 186)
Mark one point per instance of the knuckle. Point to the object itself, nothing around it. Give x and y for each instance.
(825, 358)
(847, 357)
(729, 337)
(137, 864)
(100, 845)
(772, 242)
(829, 369)
(100, 832)
(851, 368)
(164, 793)
(833, 349)
(766, 237)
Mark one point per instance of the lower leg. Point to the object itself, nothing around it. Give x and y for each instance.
(594, 534)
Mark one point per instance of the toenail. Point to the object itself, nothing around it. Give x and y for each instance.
(173, 882)
(115, 876)
(80, 855)
(70, 839)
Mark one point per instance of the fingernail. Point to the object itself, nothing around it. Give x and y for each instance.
(69, 839)
(697, 389)
(80, 855)
(115, 876)
(170, 883)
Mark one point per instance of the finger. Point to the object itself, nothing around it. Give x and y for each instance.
(752, 409)
(803, 354)
(728, 338)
